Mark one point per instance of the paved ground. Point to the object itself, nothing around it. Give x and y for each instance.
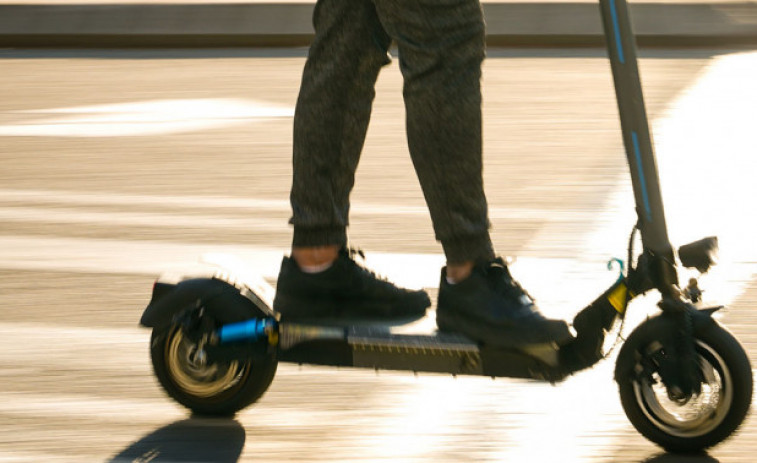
(117, 165)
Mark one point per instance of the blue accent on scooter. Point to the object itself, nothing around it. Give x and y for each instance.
(642, 180)
(616, 28)
(250, 330)
(611, 263)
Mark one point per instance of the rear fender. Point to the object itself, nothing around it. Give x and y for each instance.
(226, 301)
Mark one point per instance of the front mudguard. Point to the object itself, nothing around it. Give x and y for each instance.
(224, 301)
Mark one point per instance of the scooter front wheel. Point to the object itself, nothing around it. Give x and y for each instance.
(207, 388)
(697, 422)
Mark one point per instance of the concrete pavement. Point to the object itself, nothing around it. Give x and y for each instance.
(112, 195)
(255, 23)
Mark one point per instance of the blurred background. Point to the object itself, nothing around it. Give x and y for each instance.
(136, 136)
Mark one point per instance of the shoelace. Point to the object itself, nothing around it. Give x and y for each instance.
(353, 251)
(505, 281)
(362, 265)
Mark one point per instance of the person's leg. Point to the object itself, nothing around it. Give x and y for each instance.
(330, 123)
(442, 45)
(322, 279)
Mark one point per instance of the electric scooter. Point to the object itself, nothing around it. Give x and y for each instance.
(685, 383)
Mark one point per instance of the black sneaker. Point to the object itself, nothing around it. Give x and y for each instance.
(345, 293)
(491, 307)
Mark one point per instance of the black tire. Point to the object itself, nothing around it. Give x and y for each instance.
(707, 418)
(211, 389)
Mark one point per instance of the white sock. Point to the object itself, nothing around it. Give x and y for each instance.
(316, 268)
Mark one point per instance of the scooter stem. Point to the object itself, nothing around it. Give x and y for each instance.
(637, 138)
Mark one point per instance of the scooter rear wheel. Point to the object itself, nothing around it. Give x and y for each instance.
(700, 421)
(206, 388)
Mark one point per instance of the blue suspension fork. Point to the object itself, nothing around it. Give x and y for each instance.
(252, 330)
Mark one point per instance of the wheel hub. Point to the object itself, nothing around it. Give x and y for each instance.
(188, 365)
(688, 416)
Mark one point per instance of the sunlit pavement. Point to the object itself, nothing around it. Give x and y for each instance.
(119, 165)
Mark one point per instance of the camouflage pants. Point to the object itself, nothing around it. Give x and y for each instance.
(441, 47)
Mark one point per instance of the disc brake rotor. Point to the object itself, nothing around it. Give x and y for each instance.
(696, 415)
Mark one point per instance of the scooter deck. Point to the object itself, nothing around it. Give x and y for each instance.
(374, 346)
(379, 348)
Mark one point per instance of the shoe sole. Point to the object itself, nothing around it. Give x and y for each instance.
(339, 313)
(343, 322)
(505, 337)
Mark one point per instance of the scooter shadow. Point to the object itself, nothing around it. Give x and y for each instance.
(194, 439)
(676, 458)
